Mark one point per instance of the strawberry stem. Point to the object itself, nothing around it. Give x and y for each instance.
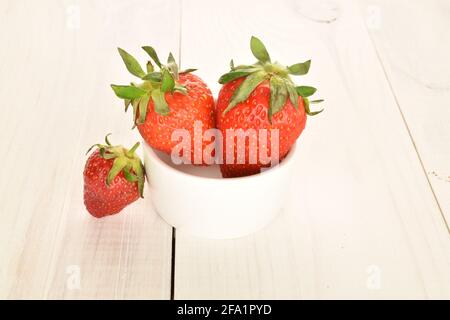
(281, 85)
(124, 161)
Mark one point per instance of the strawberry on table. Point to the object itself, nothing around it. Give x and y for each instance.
(262, 96)
(166, 100)
(113, 178)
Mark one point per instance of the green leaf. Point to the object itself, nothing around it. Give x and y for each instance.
(244, 66)
(293, 95)
(128, 175)
(143, 103)
(135, 105)
(187, 71)
(307, 109)
(300, 69)
(316, 101)
(160, 102)
(139, 170)
(150, 67)
(152, 53)
(128, 92)
(131, 63)
(107, 139)
(306, 103)
(172, 65)
(180, 89)
(278, 96)
(127, 103)
(118, 165)
(246, 88)
(167, 83)
(235, 74)
(305, 91)
(102, 150)
(108, 156)
(153, 76)
(259, 50)
(105, 154)
(91, 147)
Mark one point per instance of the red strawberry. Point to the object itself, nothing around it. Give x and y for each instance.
(113, 178)
(166, 101)
(261, 96)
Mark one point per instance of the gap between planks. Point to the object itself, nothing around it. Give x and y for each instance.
(172, 265)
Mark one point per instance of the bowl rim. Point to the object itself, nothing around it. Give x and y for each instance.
(280, 166)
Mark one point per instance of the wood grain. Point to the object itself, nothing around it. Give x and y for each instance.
(362, 221)
(55, 71)
(365, 216)
(414, 53)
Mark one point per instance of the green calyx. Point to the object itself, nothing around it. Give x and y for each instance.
(125, 161)
(154, 84)
(279, 76)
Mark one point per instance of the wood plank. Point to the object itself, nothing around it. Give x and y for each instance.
(415, 55)
(362, 221)
(57, 61)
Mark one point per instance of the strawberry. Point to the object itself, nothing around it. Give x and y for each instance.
(113, 178)
(257, 97)
(165, 101)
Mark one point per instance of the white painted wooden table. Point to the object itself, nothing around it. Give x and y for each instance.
(368, 215)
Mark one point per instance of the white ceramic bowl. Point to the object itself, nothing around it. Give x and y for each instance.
(197, 200)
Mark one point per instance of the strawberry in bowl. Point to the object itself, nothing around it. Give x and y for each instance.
(165, 101)
(261, 99)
